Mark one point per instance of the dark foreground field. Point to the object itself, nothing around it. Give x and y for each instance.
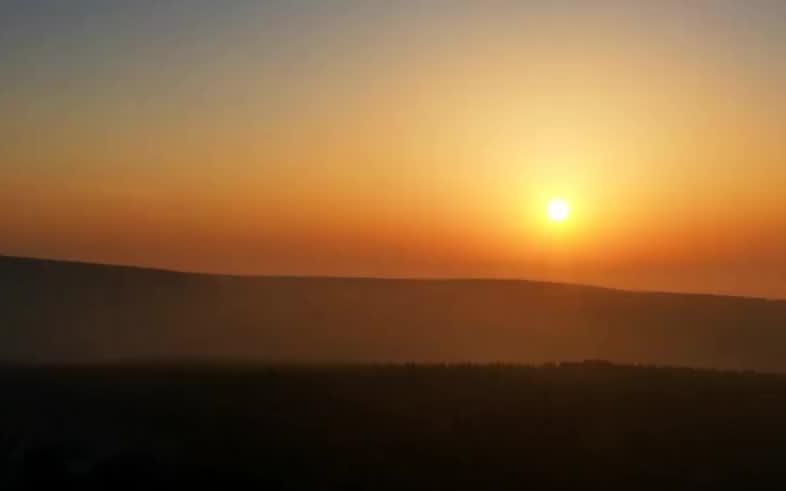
(397, 427)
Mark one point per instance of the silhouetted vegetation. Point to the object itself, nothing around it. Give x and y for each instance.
(233, 426)
(390, 427)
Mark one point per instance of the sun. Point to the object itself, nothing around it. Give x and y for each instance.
(559, 210)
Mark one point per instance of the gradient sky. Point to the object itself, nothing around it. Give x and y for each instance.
(401, 138)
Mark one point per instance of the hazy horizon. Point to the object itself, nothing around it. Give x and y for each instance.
(392, 244)
(401, 139)
(164, 269)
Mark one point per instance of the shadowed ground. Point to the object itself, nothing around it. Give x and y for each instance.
(395, 427)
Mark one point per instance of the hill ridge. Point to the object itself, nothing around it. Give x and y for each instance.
(71, 311)
(435, 279)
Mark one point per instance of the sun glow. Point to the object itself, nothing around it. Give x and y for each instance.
(559, 210)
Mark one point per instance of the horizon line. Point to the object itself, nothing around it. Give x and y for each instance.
(175, 271)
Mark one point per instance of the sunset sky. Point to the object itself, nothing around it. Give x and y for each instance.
(401, 138)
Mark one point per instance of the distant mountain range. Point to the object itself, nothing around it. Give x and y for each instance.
(53, 311)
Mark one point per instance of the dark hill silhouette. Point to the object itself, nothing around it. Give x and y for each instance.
(60, 311)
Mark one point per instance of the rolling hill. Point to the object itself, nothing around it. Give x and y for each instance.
(55, 311)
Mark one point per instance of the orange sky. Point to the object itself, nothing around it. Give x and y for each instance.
(412, 139)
